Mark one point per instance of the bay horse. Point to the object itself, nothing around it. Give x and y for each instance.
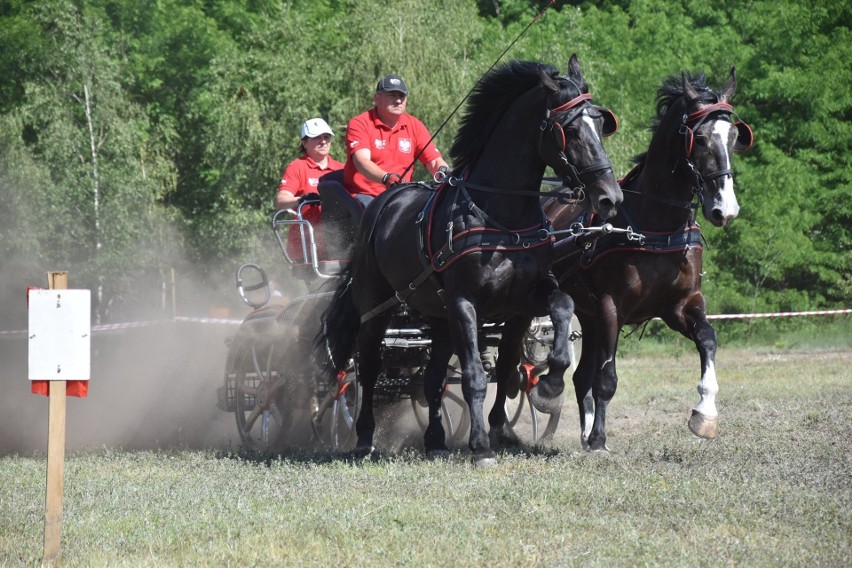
(478, 249)
(653, 267)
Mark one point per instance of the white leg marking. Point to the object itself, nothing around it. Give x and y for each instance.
(587, 429)
(707, 389)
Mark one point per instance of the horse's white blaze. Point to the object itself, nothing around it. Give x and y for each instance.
(707, 389)
(727, 199)
(591, 124)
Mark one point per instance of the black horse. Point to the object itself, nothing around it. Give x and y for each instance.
(654, 270)
(479, 248)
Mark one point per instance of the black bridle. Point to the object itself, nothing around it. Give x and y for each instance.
(556, 120)
(692, 122)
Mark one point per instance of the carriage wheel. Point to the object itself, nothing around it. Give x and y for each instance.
(257, 388)
(335, 416)
(455, 415)
(542, 425)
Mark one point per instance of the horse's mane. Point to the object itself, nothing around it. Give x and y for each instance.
(671, 91)
(491, 97)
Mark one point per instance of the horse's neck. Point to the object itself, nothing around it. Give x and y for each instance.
(510, 160)
(656, 199)
(500, 168)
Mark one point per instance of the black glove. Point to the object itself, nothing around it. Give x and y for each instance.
(391, 178)
(310, 199)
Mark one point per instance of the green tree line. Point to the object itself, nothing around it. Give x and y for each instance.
(141, 137)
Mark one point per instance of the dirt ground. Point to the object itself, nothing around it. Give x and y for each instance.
(155, 387)
(151, 387)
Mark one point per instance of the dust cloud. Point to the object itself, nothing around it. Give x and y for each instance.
(152, 386)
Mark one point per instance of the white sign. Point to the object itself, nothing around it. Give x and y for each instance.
(60, 331)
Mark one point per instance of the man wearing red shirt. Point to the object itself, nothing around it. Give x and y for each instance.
(382, 143)
(302, 177)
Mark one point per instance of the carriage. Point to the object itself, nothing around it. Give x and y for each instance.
(273, 394)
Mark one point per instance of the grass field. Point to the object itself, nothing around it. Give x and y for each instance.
(775, 489)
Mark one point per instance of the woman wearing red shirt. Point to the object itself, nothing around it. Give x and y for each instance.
(302, 177)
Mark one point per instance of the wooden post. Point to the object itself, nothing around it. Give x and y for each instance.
(55, 451)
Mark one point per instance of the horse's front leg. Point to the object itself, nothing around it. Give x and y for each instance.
(508, 359)
(705, 417)
(606, 376)
(463, 329)
(434, 381)
(546, 395)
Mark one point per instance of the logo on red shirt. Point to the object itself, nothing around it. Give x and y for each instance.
(405, 145)
(380, 144)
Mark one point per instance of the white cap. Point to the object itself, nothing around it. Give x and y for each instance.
(315, 127)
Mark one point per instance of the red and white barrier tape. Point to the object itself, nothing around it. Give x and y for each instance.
(132, 324)
(780, 314)
(220, 321)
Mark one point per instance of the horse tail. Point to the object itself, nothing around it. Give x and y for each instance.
(334, 344)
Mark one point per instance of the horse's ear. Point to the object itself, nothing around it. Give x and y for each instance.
(730, 86)
(574, 68)
(689, 91)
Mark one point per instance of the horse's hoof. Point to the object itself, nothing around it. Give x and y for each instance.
(442, 454)
(363, 451)
(484, 462)
(597, 449)
(703, 426)
(543, 403)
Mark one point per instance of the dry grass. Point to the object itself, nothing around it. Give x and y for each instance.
(774, 489)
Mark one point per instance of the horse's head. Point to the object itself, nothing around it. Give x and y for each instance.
(709, 138)
(572, 140)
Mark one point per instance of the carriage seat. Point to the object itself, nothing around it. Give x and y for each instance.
(341, 214)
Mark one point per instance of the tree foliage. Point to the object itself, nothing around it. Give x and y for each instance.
(140, 136)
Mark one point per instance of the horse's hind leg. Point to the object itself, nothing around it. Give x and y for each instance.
(435, 376)
(463, 328)
(705, 417)
(546, 396)
(369, 365)
(508, 358)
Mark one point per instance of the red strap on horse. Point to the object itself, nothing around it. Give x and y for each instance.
(707, 110)
(570, 104)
